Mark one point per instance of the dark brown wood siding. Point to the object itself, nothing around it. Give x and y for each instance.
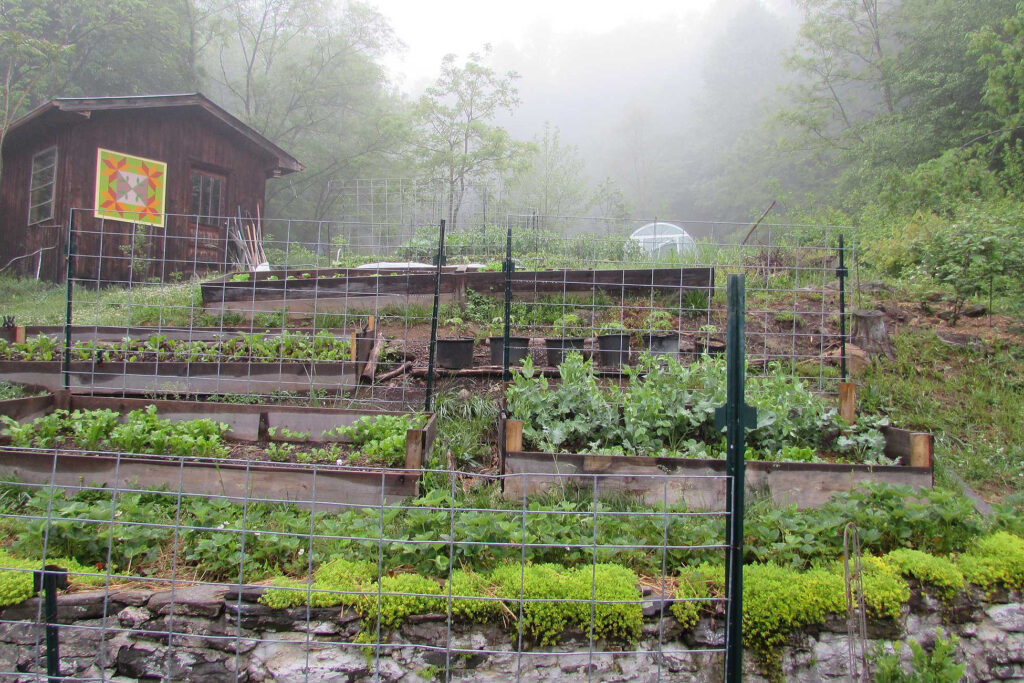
(185, 138)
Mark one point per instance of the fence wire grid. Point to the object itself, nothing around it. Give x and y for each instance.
(210, 564)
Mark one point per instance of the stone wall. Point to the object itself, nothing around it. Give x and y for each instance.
(211, 633)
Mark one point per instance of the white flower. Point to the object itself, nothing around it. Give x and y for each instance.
(302, 551)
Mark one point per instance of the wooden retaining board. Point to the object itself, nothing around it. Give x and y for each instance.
(334, 485)
(108, 333)
(326, 294)
(701, 484)
(185, 378)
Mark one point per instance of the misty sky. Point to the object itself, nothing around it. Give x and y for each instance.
(432, 29)
(622, 82)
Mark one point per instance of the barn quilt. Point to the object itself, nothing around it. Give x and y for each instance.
(130, 188)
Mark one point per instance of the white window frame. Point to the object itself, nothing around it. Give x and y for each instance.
(52, 183)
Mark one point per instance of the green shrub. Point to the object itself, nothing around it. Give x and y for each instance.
(338, 582)
(939, 573)
(16, 578)
(286, 593)
(469, 585)
(778, 601)
(996, 561)
(573, 591)
(702, 581)
(401, 596)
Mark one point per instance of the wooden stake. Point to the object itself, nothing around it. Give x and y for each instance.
(413, 449)
(848, 401)
(513, 436)
(19, 334)
(921, 449)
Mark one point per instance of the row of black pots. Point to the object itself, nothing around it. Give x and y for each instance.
(613, 349)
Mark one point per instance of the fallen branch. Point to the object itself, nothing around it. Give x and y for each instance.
(401, 369)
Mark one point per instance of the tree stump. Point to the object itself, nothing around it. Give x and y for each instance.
(869, 333)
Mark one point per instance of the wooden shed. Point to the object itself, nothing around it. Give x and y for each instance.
(149, 184)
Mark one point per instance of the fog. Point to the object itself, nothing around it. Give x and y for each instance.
(653, 104)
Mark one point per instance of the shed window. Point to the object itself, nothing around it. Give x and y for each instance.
(42, 186)
(206, 194)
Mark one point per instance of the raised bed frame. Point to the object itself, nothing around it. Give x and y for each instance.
(701, 484)
(334, 485)
(336, 290)
(180, 377)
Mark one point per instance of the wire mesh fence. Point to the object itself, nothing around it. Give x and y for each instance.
(302, 310)
(298, 522)
(167, 579)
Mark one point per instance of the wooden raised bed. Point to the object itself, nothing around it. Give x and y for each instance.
(170, 377)
(312, 486)
(701, 484)
(328, 291)
(173, 377)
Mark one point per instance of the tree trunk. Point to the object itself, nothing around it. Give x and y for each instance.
(869, 333)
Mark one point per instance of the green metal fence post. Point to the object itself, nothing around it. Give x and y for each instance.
(69, 277)
(508, 267)
(433, 318)
(735, 416)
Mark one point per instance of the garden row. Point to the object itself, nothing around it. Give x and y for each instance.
(188, 361)
(227, 449)
(338, 291)
(556, 594)
(655, 435)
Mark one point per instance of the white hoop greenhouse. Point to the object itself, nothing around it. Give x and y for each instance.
(662, 238)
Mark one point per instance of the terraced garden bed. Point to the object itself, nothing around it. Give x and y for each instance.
(338, 290)
(627, 438)
(317, 456)
(201, 362)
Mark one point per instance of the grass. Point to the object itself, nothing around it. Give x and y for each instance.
(41, 303)
(970, 399)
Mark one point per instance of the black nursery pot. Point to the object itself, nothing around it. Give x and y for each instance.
(518, 348)
(662, 343)
(557, 348)
(709, 346)
(613, 349)
(455, 354)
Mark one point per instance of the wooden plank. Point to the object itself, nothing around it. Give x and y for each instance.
(370, 369)
(697, 483)
(333, 486)
(27, 409)
(185, 378)
(363, 290)
(897, 444)
(429, 434)
(848, 401)
(414, 449)
(921, 449)
(513, 435)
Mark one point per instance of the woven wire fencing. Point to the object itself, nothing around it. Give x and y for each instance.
(167, 584)
(615, 297)
(301, 546)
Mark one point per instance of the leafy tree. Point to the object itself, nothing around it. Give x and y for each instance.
(455, 138)
(26, 58)
(307, 78)
(553, 183)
